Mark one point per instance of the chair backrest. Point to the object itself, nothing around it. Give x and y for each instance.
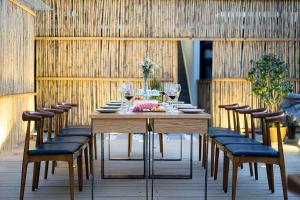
(262, 116)
(236, 126)
(228, 113)
(66, 109)
(38, 117)
(247, 112)
(277, 120)
(56, 123)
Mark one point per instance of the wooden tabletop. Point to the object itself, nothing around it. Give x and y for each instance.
(152, 115)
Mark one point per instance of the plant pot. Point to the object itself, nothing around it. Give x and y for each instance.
(291, 132)
(273, 133)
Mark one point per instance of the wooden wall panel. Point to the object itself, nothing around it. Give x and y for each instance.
(172, 18)
(228, 84)
(16, 71)
(102, 65)
(16, 52)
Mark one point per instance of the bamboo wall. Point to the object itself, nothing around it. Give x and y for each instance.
(16, 71)
(171, 19)
(89, 72)
(96, 45)
(229, 85)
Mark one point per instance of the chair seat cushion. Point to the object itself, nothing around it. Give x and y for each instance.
(55, 148)
(251, 150)
(214, 135)
(235, 140)
(218, 130)
(75, 132)
(72, 139)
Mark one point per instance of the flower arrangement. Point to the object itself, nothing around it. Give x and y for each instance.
(148, 67)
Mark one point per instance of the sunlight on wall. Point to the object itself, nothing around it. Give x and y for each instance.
(12, 128)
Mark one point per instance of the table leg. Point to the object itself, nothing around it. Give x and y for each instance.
(92, 162)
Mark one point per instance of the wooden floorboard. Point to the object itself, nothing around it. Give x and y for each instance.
(56, 187)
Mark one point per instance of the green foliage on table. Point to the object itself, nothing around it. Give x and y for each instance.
(269, 80)
(156, 85)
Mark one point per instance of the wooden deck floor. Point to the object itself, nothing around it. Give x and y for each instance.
(56, 187)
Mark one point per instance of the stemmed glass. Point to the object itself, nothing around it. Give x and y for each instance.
(178, 90)
(129, 94)
(171, 90)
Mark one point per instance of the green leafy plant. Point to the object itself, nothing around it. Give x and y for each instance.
(156, 85)
(268, 76)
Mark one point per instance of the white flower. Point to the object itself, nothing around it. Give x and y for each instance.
(141, 64)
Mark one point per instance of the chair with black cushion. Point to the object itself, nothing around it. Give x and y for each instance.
(235, 133)
(264, 153)
(214, 132)
(220, 142)
(67, 152)
(82, 140)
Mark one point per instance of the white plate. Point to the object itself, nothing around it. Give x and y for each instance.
(192, 110)
(115, 101)
(110, 107)
(107, 110)
(183, 106)
(114, 104)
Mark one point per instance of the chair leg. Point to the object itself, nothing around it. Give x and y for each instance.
(86, 159)
(271, 177)
(200, 147)
(79, 170)
(34, 171)
(251, 169)
(204, 157)
(268, 176)
(37, 175)
(71, 179)
(95, 146)
(91, 153)
(216, 163)
(234, 177)
(161, 143)
(212, 161)
(23, 180)
(46, 169)
(53, 167)
(256, 171)
(225, 172)
(129, 144)
(283, 180)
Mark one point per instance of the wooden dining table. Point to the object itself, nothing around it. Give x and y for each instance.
(149, 123)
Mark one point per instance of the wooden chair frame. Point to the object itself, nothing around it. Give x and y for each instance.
(267, 119)
(37, 159)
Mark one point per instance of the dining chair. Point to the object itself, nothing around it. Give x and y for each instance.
(67, 152)
(230, 133)
(263, 153)
(214, 132)
(82, 140)
(249, 138)
(82, 135)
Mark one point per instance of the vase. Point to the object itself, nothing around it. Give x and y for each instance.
(145, 88)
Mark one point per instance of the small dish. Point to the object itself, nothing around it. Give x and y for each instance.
(192, 110)
(114, 104)
(185, 106)
(104, 110)
(110, 107)
(115, 101)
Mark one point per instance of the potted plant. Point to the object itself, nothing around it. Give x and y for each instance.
(268, 76)
(292, 123)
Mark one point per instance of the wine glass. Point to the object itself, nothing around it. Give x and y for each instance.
(171, 91)
(129, 94)
(178, 90)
